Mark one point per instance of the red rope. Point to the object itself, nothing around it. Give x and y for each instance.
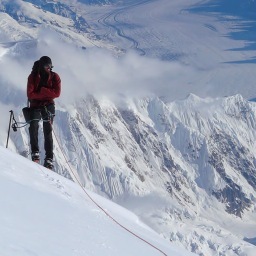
(100, 207)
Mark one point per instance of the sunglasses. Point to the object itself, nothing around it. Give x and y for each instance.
(48, 66)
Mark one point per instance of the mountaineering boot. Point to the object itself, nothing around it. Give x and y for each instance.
(35, 157)
(48, 163)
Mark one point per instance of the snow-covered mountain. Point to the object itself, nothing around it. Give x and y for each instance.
(123, 125)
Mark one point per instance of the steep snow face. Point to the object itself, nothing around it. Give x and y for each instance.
(221, 149)
(192, 144)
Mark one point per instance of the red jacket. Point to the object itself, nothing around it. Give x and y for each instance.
(46, 94)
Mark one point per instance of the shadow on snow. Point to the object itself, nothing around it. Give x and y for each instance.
(242, 13)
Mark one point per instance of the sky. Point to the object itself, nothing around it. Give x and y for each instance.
(42, 213)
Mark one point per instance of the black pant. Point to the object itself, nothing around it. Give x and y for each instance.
(46, 113)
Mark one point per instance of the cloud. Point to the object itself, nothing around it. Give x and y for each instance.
(95, 70)
(98, 72)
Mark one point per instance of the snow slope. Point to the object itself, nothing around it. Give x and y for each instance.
(43, 213)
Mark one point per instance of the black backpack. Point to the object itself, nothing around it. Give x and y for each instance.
(35, 68)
